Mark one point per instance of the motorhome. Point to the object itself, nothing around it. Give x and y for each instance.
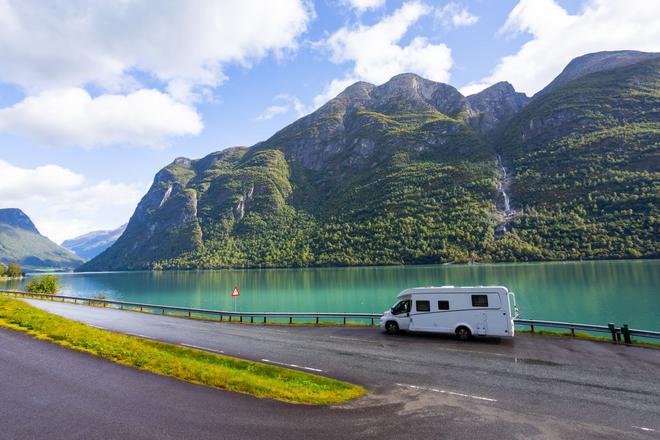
(465, 311)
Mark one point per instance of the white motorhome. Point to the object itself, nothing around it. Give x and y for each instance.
(465, 311)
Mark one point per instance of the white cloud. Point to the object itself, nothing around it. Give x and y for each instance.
(143, 117)
(558, 37)
(62, 44)
(364, 5)
(377, 55)
(287, 103)
(454, 15)
(62, 204)
(182, 46)
(271, 112)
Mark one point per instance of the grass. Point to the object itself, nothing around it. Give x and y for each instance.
(217, 371)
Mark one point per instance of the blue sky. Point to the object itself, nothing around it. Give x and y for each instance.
(96, 97)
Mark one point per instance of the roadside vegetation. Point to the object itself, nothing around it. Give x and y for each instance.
(47, 284)
(217, 371)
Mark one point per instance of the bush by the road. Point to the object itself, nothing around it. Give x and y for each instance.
(257, 379)
(43, 284)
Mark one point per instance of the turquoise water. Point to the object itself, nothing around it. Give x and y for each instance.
(594, 292)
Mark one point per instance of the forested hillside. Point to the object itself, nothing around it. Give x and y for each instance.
(408, 172)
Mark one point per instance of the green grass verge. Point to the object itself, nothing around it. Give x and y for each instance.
(182, 363)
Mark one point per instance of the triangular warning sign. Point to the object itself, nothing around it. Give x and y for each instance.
(235, 292)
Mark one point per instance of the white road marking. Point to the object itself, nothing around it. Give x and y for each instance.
(451, 393)
(97, 326)
(644, 428)
(202, 348)
(292, 365)
(350, 339)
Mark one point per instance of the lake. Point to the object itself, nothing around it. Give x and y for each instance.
(594, 292)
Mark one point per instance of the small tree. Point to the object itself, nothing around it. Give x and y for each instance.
(44, 284)
(3, 269)
(13, 270)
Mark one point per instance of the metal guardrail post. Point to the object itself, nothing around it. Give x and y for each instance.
(626, 334)
(613, 330)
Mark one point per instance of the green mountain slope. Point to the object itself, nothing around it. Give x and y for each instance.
(586, 161)
(21, 242)
(408, 172)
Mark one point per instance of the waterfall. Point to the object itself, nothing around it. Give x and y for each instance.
(503, 184)
(507, 207)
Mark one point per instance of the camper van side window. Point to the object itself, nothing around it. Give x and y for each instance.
(443, 305)
(423, 306)
(479, 300)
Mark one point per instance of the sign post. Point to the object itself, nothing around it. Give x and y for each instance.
(234, 294)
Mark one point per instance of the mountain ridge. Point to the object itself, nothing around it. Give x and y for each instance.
(21, 242)
(89, 245)
(412, 171)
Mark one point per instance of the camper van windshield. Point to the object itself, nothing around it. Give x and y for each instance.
(401, 307)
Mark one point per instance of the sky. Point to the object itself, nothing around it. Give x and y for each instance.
(97, 96)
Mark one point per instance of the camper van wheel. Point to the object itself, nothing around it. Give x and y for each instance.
(392, 327)
(463, 333)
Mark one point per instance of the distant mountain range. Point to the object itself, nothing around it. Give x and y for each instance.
(89, 245)
(21, 242)
(412, 171)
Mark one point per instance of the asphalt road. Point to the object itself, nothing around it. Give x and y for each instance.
(420, 386)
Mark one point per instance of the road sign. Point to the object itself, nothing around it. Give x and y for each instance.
(235, 292)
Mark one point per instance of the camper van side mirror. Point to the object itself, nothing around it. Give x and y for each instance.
(408, 314)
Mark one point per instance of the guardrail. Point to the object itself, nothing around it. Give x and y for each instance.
(222, 314)
(616, 332)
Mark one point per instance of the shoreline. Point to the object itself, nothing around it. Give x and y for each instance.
(374, 266)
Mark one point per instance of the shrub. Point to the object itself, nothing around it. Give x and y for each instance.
(44, 284)
(13, 270)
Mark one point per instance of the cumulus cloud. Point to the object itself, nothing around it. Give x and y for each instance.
(143, 117)
(557, 37)
(377, 55)
(364, 5)
(62, 203)
(62, 44)
(286, 103)
(454, 15)
(182, 46)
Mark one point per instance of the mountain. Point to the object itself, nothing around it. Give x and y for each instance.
(21, 242)
(412, 171)
(89, 245)
(596, 62)
(495, 105)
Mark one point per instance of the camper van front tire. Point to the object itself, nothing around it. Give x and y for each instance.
(463, 333)
(392, 327)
